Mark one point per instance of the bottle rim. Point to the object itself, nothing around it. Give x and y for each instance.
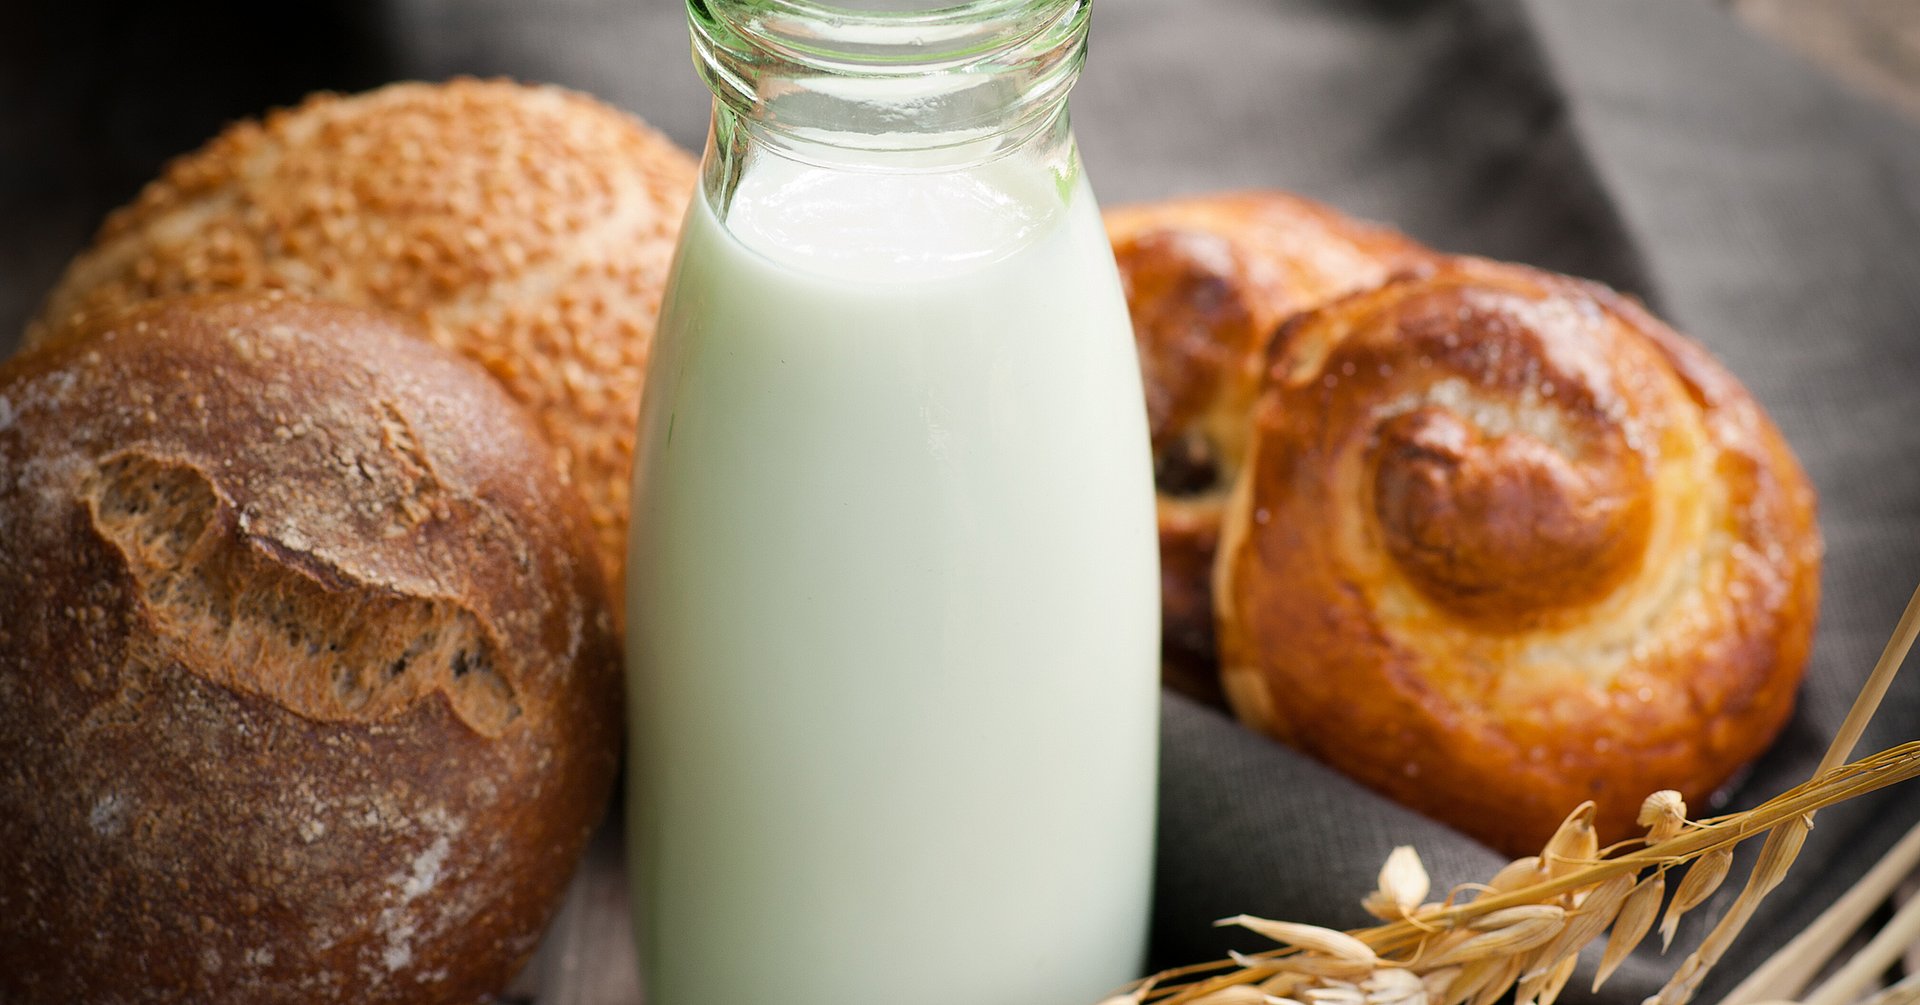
(967, 18)
(943, 12)
(756, 55)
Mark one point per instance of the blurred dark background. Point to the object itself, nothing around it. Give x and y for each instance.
(94, 97)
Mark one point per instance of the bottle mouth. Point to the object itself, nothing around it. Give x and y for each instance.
(942, 72)
(889, 35)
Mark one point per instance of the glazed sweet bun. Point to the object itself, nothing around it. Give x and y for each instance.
(1505, 542)
(307, 689)
(1207, 280)
(527, 228)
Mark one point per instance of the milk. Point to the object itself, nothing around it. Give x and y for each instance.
(893, 599)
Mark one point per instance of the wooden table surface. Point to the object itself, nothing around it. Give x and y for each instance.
(588, 956)
(1873, 45)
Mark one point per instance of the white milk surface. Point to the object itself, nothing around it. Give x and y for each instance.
(893, 601)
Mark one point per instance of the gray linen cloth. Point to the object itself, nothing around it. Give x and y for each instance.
(1652, 144)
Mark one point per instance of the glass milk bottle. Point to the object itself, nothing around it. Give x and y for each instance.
(893, 593)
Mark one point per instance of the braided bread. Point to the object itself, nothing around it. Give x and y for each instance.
(1207, 281)
(1506, 542)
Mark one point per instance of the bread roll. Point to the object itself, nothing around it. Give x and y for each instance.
(1207, 280)
(1504, 543)
(528, 228)
(307, 692)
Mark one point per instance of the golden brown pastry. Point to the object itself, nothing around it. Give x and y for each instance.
(528, 228)
(307, 692)
(1506, 542)
(1207, 280)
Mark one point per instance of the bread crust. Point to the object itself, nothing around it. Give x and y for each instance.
(1208, 279)
(527, 228)
(1505, 543)
(307, 689)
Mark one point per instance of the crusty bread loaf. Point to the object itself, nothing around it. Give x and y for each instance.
(307, 689)
(1505, 542)
(528, 228)
(1208, 278)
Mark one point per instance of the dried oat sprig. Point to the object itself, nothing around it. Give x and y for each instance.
(1525, 928)
(1528, 924)
(1702, 881)
(1784, 841)
(1631, 927)
(1403, 886)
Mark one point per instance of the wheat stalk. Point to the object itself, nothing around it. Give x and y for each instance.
(1525, 928)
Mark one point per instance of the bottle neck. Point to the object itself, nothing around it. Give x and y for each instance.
(894, 90)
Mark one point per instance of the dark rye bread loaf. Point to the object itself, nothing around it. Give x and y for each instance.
(308, 692)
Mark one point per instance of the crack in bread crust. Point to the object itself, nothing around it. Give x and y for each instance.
(247, 620)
